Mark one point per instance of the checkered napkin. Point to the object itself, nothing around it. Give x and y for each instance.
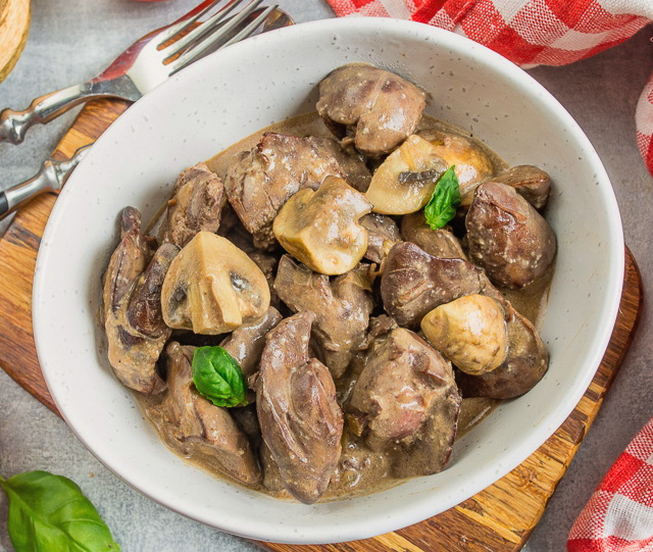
(533, 32)
(619, 515)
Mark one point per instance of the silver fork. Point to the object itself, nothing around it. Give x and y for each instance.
(146, 63)
(220, 30)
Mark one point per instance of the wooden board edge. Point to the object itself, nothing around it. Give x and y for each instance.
(632, 284)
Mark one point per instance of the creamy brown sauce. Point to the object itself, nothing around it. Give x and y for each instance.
(362, 471)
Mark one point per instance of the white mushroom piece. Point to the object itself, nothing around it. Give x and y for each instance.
(321, 228)
(404, 182)
(212, 287)
(470, 331)
(472, 163)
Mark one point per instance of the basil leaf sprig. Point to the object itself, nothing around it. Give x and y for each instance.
(49, 513)
(217, 377)
(441, 208)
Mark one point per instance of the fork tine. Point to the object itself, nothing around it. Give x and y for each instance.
(185, 21)
(251, 27)
(192, 54)
(202, 29)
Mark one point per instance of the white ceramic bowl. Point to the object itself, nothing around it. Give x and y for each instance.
(238, 91)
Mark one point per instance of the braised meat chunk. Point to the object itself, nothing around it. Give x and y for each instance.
(341, 307)
(508, 237)
(263, 179)
(414, 283)
(440, 242)
(301, 422)
(533, 184)
(379, 109)
(406, 401)
(197, 428)
(382, 234)
(196, 205)
(134, 327)
(245, 344)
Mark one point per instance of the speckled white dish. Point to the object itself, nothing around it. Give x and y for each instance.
(238, 91)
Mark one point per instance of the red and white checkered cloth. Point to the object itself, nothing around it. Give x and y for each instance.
(533, 32)
(619, 516)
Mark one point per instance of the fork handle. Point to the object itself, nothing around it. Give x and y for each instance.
(50, 178)
(14, 124)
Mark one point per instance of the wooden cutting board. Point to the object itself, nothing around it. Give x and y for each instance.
(498, 519)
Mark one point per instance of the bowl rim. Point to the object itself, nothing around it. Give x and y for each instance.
(261, 529)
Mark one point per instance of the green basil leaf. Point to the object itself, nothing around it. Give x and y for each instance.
(441, 208)
(49, 513)
(218, 377)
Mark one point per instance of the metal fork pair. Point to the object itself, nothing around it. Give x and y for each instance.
(141, 67)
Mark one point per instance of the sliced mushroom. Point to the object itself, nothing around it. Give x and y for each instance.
(508, 237)
(526, 363)
(213, 287)
(473, 164)
(380, 109)
(414, 283)
(301, 421)
(197, 428)
(439, 243)
(263, 179)
(341, 307)
(134, 328)
(405, 181)
(245, 344)
(196, 205)
(406, 402)
(382, 234)
(321, 228)
(470, 331)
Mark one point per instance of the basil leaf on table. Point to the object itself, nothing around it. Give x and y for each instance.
(441, 208)
(49, 513)
(218, 377)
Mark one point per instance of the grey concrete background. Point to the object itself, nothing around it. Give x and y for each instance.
(70, 39)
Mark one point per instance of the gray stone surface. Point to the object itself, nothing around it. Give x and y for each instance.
(69, 40)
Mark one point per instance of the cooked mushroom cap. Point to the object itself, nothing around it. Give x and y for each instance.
(213, 287)
(405, 180)
(526, 363)
(470, 331)
(321, 229)
(472, 163)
